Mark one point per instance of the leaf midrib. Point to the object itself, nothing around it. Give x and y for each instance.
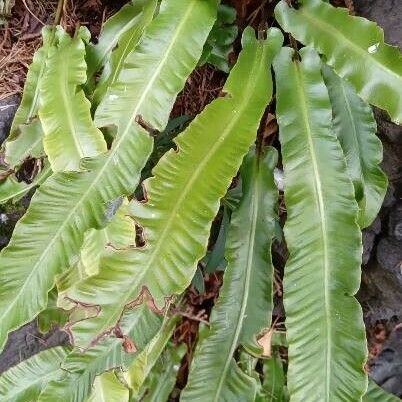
(183, 194)
(34, 104)
(107, 162)
(249, 267)
(38, 380)
(337, 34)
(112, 44)
(323, 222)
(355, 136)
(67, 89)
(121, 59)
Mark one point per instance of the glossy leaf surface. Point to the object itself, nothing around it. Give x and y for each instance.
(107, 388)
(48, 238)
(25, 381)
(80, 369)
(132, 18)
(121, 33)
(353, 46)
(118, 234)
(273, 388)
(325, 330)
(183, 197)
(146, 360)
(162, 378)
(244, 306)
(376, 394)
(69, 132)
(26, 142)
(25, 137)
(356, 128)
(13, 190)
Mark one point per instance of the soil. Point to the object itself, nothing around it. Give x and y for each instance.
(381, 290)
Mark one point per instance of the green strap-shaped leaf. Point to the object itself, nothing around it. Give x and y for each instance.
(355, 126)
(183, 197)
(70, 134)
(325, 330)
(132, 18)
(123, 30)
(10, 188)
(25, 137)
(80, 369)
(118, 234)
(377, 394)
(49, 236)
(25, 381)
(273, 388)
(146, 360)
(244, 307)
(220, 42)
(353, 46)
(107, 388)
(162, 378)
(53, 315)
(13, 190)
(26, 142)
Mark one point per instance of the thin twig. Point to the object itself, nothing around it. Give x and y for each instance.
(193, 317)
(59, 12)
(33, 15)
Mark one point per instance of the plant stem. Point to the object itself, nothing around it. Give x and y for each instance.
(59, 12)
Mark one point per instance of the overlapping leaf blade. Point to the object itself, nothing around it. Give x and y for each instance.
(13, 190)
(183, 198)
(325, 330)
(122, 33)
(25, 137)
(162, 379)
(80, 369)
(353, 46)
(118, 234)
(133, 18)
(244, 307)
(25, 381)
(355, 126)
(146, 360)
(26, 142)
(273, 388)
(107, 388)
(69, 132)
(47, 239)
(53, 315)
(376, 394)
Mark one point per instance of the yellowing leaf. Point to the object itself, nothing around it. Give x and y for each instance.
(70, 134)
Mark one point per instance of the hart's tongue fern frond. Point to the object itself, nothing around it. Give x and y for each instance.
(49, 236)
(183, 196)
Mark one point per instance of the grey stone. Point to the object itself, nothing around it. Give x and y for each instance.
(386, 370)
(28, 341)
(8, 107)
(369, 236)
(387, 14)
(389, 249)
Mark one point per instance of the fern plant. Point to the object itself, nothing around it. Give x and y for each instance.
(112, 268)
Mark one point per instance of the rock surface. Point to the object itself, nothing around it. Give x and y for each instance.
(8, 106)
(381, 293)
(28, 341)
(387, 14)
(386, 370)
